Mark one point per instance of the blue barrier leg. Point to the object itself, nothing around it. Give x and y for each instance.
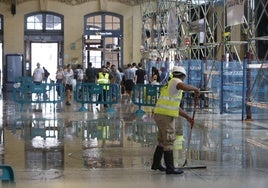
(110, 110)
(140, 111)
(83, 108)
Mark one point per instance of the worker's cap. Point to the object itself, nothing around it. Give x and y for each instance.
(178, 70)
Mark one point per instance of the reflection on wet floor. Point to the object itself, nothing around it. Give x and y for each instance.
(68, 144)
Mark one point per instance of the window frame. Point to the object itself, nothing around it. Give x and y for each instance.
(44, 22)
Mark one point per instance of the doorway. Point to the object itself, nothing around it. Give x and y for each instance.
(99, 50)
(47, 55)
(103, 39)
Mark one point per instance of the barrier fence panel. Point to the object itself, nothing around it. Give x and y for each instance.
(27, 92)
(195, 76)
(195, 72)
(103, 131)
(145, 95)
(88, 93)
(255, 95)
(29, 128)
(232, 86)
(221, 82)
(144, 132)
(213, 79)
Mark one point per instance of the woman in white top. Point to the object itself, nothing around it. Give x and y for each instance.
(59, 80)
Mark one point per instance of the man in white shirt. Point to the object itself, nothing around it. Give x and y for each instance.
(38, 74)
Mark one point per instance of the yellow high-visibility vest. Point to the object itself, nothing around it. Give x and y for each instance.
(104, 79)
(166, 104)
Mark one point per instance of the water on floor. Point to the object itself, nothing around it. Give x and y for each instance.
(60, 146)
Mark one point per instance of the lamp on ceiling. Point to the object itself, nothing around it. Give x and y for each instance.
(13, 7)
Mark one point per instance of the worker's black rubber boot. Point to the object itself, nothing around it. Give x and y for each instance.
(168, 157)
(157, 159)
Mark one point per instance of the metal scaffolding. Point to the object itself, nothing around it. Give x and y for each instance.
(199, 28)
(208, 30)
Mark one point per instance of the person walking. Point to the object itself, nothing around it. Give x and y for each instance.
(129, 76)
(141, 75)
(90, 74)
(79, 79)
(38, 74)
(68, 82)
(115, 79)
(108, 67)
(165, 112)
(59, 80)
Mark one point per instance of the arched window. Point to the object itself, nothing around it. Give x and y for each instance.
(103, 22)
(44, 22)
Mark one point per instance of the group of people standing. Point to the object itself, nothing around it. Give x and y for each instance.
(106, 75)
(63, 77)
(134, 74)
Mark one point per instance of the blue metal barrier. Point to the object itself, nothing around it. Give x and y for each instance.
(145, 95)
(103, 129)
(144, 132)
(109, 129)
(27, 92)
(89, 93)
(43, 127)
(7, 174)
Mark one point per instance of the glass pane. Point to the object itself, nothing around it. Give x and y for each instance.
(0, 23)
(108, 18)
(94, 23)
(57, 26)
(95, 58)
(97, 19)
(90, 19)
(53, 22)
(108, 26)
(30, 26)
(57, 19)
(112, 23)
(116, 26)
(116, 19)
(35, 22)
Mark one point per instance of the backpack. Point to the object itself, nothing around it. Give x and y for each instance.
(75, 74)
(46, 73)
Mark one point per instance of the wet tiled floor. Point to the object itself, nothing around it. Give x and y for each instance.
(69, 148)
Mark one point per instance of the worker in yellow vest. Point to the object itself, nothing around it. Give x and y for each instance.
(103, 78)
(165, 112)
